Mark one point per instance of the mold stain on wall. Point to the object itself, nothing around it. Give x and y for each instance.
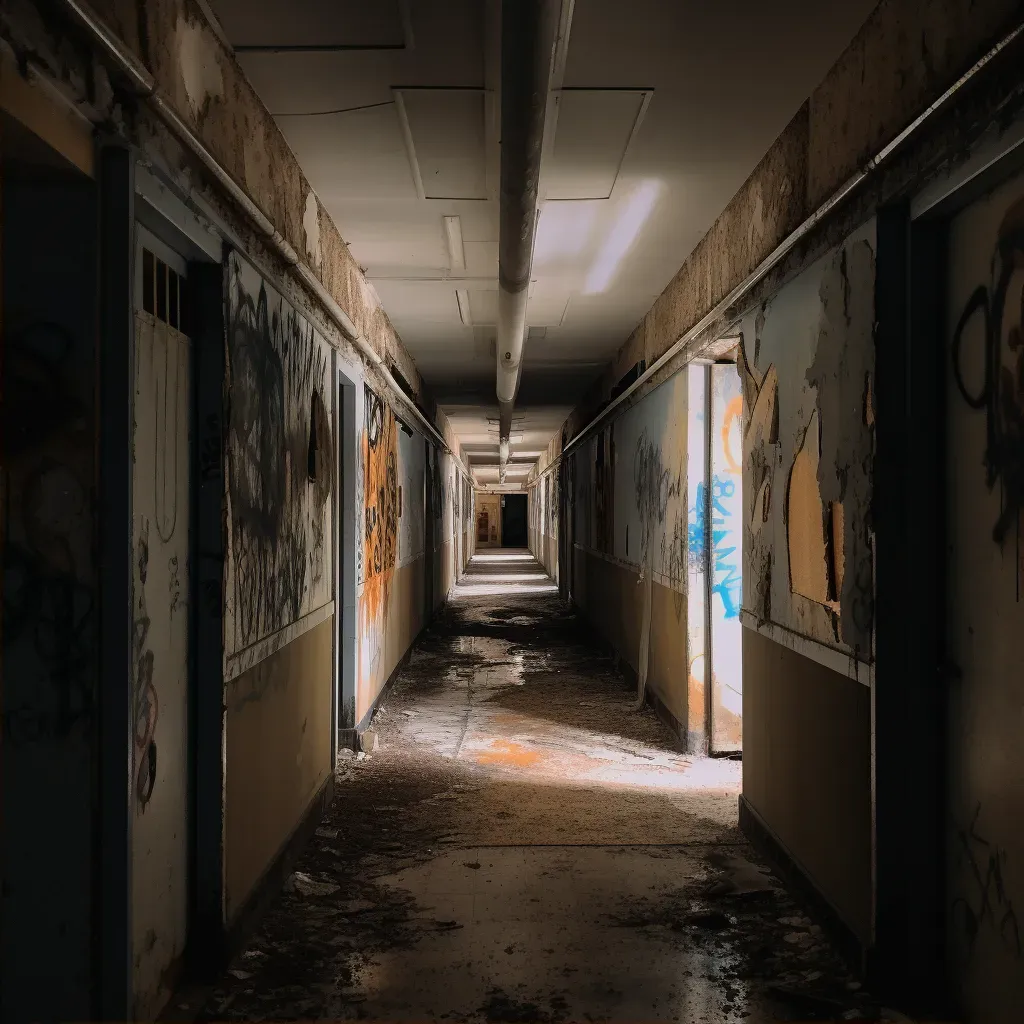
(280, 461)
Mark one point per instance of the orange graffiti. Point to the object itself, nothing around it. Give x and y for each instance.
(380, 511)
(508, 753)
(733, 410)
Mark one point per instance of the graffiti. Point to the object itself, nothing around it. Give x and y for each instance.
(733, 412)
(380, 513)
(168, 431)
(381, 485)
(280, 460)
(145, 707)
(1001, 394)
(988, 902)
(726, 574)
(49, 599)
(174, 585)
(650, 490)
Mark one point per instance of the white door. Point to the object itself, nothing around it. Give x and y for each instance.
(160, 589)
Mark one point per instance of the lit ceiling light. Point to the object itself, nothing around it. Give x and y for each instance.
(622, 237)
(463, 299)
(456, 250)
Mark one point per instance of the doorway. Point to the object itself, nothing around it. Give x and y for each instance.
(715, 557)
(513, 520)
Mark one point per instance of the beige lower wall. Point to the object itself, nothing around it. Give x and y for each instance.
(278, 755)
(610, 597)
(807, 770)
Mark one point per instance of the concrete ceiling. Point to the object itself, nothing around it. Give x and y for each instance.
(665, 109)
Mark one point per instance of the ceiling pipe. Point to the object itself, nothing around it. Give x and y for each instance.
(529, 38)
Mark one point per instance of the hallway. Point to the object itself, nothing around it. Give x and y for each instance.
(521, 846)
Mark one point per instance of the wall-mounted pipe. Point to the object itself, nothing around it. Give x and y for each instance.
(802, 230)
(145, 86)
(529, 34)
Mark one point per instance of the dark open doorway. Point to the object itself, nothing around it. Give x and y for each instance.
(513, 521)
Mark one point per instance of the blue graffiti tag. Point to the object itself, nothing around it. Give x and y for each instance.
(727, 579)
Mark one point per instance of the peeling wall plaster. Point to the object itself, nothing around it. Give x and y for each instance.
(199, 63)
(807, 361)
(311, 227)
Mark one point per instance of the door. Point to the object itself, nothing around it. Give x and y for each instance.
(160, 633)
(725, 570)
(984, 362)
(513, 521)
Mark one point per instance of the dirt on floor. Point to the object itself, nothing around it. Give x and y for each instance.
(508, 757)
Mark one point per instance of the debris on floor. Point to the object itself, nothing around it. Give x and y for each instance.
(521, 846)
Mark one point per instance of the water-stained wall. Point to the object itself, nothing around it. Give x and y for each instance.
(279, 453)
(984, 369)
(808, 582)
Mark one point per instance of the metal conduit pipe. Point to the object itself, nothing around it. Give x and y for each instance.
(145, 87)
(803, 229)
(528, 37)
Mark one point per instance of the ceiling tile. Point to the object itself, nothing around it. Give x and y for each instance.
(592, 132)
(446, 129)
(353, 154)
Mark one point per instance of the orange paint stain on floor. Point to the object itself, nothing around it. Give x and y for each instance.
(505, 752)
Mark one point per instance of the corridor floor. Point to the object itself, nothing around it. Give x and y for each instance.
(522, 846)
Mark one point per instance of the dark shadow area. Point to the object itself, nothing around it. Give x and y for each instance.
(513, 520)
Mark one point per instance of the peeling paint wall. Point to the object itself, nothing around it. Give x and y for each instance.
(806, 363)
(808, 358)
(985, 611)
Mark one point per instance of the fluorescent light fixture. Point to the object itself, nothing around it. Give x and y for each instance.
(462, 296)
(456, 250)
(622, 237)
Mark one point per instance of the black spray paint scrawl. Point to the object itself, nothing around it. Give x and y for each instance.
(1000, 305)
(280, 459)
